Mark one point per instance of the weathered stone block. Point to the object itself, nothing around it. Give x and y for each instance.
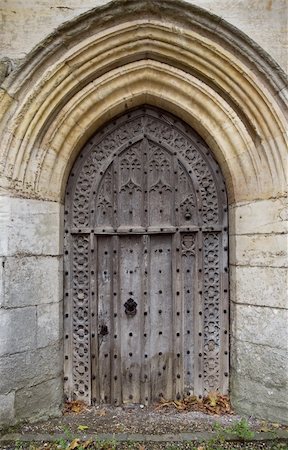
(30, 368)
(32, 280)
(39, 401)
(49, 324)
(17, 330)
(263, 286)
(29, 23)
(2, 265)
(260, 363)
(7, 408)
(4, 224)
(260, 325)
(30, 227)
(254, 399)
(260, 216)
(259, 250)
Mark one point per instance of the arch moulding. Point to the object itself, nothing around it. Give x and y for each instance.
(202, 70)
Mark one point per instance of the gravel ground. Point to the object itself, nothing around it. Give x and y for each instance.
(140, 420)
(135, 419)
(159, 446)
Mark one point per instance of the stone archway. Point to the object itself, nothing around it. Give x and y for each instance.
(146, 269)
(94, 68)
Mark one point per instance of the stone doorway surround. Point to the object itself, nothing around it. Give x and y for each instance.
(91, 69)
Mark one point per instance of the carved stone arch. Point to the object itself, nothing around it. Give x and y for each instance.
(146, 245)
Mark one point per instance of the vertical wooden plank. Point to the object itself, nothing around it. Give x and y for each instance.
(116, 386)
(224, 312)
(130, 291)
(146, 324)
(178, 319)
(105, 331)
(95, 362)
(198, 312)
(146, 211)
(189, 283)
(145, 297)
(161, 351)
(68, 310)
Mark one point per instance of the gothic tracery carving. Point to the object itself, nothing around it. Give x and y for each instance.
(211, 312)
(80, 317)
(164, 161)
(131, 170)
(188, 245)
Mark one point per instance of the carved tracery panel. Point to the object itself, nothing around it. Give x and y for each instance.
(146, 275)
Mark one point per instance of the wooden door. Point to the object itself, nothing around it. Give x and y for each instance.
(146, 277)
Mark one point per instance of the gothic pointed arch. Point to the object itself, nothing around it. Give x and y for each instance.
(117, 57)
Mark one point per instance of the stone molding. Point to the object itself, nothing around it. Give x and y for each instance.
(90, 70)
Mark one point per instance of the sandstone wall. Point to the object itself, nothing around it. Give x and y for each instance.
(31, 360)
(25, 24)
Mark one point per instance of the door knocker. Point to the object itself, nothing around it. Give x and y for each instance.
(130, 307)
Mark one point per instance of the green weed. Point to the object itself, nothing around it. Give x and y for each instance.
(241, 430)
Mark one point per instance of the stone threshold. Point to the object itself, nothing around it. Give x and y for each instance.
(199, 436)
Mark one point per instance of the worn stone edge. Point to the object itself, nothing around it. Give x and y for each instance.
(184, 13)
(122, 437)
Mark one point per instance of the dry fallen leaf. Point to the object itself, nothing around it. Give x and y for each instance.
(264, 429)
(213, 403)
(74, 444)
(212, 398)
(76, 406)
(101, 412)
(82, 427)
